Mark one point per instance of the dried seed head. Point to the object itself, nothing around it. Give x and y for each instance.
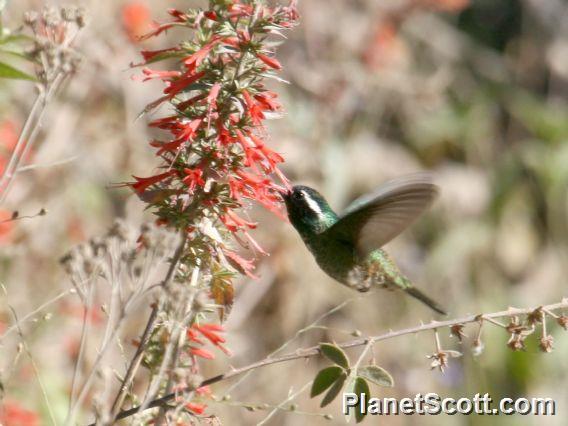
(194, 381)
(30, 18)
(563, 321)
(535, 316)
(546, 343)
(81, 17)
(51, 16)
(457, 331)
(516, 342)
(477, 347)
(119, 230)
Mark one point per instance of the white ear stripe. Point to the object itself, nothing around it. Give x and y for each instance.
(312, 204)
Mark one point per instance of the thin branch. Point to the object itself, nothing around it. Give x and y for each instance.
(138, 355)
(314, 350)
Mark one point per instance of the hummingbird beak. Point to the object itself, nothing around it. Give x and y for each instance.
(284, 193)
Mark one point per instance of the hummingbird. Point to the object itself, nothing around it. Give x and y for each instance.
(347, 247)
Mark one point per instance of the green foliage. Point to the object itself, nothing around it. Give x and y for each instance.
(335, 378)
(335, 389)
(335, 354)
(8, 71)
(324, 379)
(376, 375)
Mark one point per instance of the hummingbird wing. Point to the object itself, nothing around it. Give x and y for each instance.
(374, 219)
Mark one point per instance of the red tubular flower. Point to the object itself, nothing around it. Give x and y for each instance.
(267, 100)
(196, 408)
(210, 333)
(193, 178)
(194, 60)
(254, 109)
(203, 353)
(143, 183)
(162, 75)
(210, 14)
(244, 266)
(176, 86)
(150, 55)
(234, 222)
(271, 62)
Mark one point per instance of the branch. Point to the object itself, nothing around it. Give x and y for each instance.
(314, 350)
(137, 358)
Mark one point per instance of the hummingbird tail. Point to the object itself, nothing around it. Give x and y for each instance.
(414, 292)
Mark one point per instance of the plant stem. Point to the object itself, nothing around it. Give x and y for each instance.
(314, 350)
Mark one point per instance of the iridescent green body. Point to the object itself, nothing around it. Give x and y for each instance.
(339, 260)
(347, 247)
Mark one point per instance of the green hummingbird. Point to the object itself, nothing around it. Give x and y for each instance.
(347, 247)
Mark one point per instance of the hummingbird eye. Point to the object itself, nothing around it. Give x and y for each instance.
(298, 195)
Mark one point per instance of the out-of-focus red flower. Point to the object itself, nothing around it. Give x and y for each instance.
(195, 407)
(452, 6)
(13, 414)
(385, 47)
(76, 310)
(9, 135)
(136, 19)
(6, 226)
(211, 333)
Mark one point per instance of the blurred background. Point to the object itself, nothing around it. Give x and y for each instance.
(473, 90)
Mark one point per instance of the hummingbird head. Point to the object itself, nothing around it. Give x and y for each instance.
(307, 210)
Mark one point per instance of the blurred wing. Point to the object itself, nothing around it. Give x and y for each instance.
(373, 220)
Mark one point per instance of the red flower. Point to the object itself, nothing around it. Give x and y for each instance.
(242, 265)
(210, 14)
(254, 109)
(176, 86)
(193, 178)
(13, 414)
(237, 10)
(234, 222)
(267, 100)
(162, 75)
(210, 332)
(203, 353)
(194, 60)
(142, 184)
(6, 226)
(196, 408)
(204, 390)
(271, 62)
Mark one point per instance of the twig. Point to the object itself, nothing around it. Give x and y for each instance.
(137, 358)
(35, 311)
(34, 366)
(314, 350)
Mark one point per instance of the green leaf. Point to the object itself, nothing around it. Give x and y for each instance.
(324, 379)
(361, 387)
(334, 391)
(334, 354)
(350, 388)
(15, 38)
(7, 71)
(376, 375)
